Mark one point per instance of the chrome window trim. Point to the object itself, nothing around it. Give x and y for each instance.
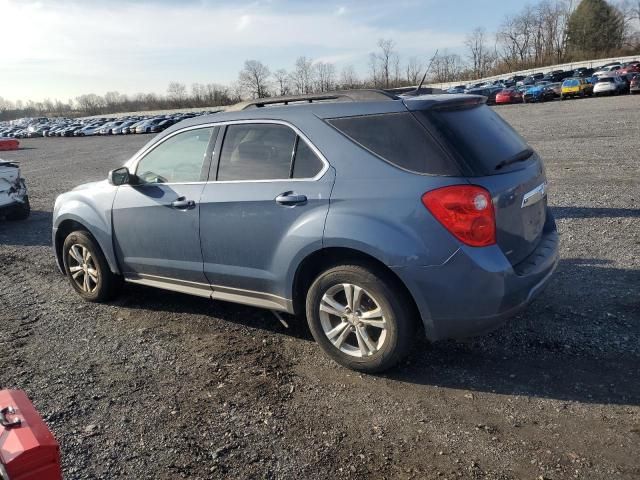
(132, 164)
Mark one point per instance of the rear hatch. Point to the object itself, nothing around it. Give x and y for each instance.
(493, 155)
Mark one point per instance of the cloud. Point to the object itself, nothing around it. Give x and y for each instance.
(72, 47)
(243, 23)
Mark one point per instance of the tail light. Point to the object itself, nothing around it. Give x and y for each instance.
(465, 211)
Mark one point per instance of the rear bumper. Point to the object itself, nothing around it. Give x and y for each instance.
(477, 289)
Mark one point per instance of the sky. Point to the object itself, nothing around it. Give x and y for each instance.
(60, 49)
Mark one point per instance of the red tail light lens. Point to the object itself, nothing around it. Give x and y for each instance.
(466, 211)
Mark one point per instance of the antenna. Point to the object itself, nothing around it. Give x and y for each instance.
(426, 71)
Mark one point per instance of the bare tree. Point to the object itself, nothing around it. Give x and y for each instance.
(386, 58)
(476, 43)
(374, 71)
(349, 77)
(282, 81)
(254, 78)
(177, 92)
(302, 75)
(325, 74)
(90, 104)
(6, 105)
(630, 12)
(414, 70)
(447, 68)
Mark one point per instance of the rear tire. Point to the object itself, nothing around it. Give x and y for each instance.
(87, 269)
(360, 318)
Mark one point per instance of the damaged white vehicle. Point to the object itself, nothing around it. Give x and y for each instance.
(14, 201)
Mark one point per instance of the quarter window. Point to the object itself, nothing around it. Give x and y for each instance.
(306, 164)
(178, 159)
(399, 139)
(256, 152)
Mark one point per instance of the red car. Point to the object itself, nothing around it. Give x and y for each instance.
(630, 68)
(9, 144)
(509, 95)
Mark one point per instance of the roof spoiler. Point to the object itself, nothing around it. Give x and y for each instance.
(440, 103)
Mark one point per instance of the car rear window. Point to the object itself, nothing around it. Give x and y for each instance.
(399, 139)
(484, 142)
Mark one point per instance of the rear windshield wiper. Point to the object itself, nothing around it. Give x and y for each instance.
(519, 157)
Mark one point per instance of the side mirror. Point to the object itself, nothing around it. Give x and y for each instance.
(119, 176)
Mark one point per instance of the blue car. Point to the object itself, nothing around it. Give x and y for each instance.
(540, 92)
(373, 215)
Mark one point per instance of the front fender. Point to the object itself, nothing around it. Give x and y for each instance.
(93, 212)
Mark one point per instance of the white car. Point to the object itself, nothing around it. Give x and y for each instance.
(610, 85)
(14, 201)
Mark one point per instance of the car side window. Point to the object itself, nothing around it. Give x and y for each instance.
(306, 163)
(259, 151)
(178, 159)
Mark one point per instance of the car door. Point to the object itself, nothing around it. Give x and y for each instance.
(156, 221)
(265, 211)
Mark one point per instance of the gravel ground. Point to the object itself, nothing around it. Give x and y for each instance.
(158, 385)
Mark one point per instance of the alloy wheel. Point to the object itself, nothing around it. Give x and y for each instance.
(83, 268)
(353, 320)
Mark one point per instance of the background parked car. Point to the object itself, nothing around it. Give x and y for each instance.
(576, 87)
(583, 72)
(540, 92)
(608, 69)
(610, 85)
(489, 92)
(634, 85)
(508, 95)
(119, 130)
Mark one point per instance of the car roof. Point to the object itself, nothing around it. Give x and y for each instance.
(321, 109)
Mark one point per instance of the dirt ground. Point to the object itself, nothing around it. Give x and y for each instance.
(159, 385)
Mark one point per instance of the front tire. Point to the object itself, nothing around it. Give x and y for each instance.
(87, 268)
(360, 318)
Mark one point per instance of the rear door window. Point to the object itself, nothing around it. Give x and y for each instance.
(482, 140)
(399, 139)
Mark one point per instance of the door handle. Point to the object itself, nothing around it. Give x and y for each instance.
(289, 198)
(183, 204)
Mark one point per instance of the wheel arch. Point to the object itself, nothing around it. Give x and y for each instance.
(320, 260)
(68, 225)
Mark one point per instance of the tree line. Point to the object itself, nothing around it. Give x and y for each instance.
(549, 32)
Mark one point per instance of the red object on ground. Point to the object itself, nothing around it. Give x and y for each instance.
(28, 450)
(9, 144)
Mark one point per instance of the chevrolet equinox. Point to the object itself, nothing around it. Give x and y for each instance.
(374, 215)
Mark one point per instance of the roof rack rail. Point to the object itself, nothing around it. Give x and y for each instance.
(360, 95)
